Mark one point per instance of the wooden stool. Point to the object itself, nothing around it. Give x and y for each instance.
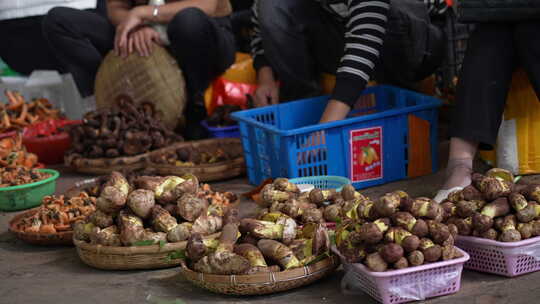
(156, 79)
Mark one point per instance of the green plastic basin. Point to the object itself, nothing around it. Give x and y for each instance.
(29, 195)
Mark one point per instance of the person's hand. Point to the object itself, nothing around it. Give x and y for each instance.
(314, 148)
(267, 92)
(335, 110)
(121, 45)
(142, 40)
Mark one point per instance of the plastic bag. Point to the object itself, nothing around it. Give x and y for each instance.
(404, 286)
(532, 250)
(425, 282)
(518, 146)
(47, 128)
(239, 79)
(523, 107)
(230, 93)
(60, 90)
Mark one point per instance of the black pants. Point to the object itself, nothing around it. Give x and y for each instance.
(493, 53)
(24, 47)
(203, 46)
(301, 40)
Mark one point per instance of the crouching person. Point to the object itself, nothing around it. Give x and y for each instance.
(197, 33)
(357, 40)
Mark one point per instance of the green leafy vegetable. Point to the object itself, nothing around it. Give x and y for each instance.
(144, 243)
(319, 258)
(175, 255)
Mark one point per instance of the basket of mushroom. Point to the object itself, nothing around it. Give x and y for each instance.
(146, 225)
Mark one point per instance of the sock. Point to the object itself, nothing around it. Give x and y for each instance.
(458, 173)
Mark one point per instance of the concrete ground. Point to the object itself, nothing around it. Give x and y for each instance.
(31, 274)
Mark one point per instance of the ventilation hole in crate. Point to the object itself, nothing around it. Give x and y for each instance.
(272, 119)
(406, 151)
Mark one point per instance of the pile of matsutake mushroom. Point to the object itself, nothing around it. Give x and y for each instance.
(154, 210)
(496, 208)
(248, 248)
(394, 232)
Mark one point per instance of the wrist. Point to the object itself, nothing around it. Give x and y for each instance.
(266, 75)
(335, 110)
(143, 12)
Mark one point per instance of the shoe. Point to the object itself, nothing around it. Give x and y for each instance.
(194, 130)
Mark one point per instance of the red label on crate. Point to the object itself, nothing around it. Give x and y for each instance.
(366, 154)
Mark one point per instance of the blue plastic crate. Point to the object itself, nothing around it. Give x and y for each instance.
(221, 132)
(286, 140)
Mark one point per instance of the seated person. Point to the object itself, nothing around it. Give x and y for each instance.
(198, 34)
(493, 52)
(296, 40)
(20, 29)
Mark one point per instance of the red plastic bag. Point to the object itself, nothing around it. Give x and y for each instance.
(230, 93)
(47, 128)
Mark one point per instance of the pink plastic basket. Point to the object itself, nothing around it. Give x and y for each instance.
(507, 259)
(405, 285)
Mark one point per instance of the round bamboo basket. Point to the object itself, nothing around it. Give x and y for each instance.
(130, 258)
(47, 239)
(156, 79)
(84, 185)
(204, 172)
(102, 166)
(261, 283)
(207, 173)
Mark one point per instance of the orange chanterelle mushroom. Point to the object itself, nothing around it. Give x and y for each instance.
(58, 214)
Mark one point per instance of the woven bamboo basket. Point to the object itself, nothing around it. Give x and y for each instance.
(130, 258)
(47, 239)
(156, 79)
(205, 172)
(102, 166)
(84, 185)
(261, 283)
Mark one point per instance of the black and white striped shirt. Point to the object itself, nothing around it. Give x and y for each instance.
(365, 22)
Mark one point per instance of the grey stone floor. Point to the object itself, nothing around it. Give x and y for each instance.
(31, 274)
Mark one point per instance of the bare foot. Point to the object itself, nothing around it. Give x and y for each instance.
(458, 173)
